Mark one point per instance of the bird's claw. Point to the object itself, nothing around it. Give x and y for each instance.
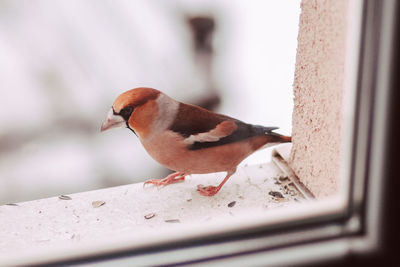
(207, 191)
(170, 179)
(155, 182)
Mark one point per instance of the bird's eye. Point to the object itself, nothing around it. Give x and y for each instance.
(126, 112)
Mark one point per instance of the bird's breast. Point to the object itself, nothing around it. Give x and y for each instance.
(169, 149)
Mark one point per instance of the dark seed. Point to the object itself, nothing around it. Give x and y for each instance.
(172, 221)
(11, 204)
(63, 197)
(230, 205)
(283, 178)
(276, 194)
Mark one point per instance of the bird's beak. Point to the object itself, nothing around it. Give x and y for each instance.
(112, 121)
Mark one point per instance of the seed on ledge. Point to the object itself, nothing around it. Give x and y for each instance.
(283, 178)
(172, 221)
(98, 203)
(230, 205)
(276, 194)
(149, 216)
(64, 197)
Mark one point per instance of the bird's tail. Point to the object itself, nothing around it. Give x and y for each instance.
(279, 138)
(273, 138)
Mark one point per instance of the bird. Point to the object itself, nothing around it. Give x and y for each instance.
(186, 138)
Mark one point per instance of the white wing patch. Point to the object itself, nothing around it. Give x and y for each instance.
(223, 129)
(201, 137)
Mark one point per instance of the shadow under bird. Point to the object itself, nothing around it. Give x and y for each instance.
(186, 138)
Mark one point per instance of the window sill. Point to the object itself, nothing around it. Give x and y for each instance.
(50, 229)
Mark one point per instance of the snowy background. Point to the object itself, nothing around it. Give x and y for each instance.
(62, 64)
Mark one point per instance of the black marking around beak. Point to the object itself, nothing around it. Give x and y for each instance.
(126, 112)
(127, 125)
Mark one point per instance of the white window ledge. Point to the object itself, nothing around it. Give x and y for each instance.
(36, 228)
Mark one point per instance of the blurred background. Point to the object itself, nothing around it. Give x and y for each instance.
(62, 64)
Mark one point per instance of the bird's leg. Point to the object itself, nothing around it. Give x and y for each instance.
(170, 179)
(209, 191)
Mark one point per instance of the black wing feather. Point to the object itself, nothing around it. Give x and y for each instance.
(243, 132)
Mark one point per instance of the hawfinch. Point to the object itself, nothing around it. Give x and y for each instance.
(186, 138)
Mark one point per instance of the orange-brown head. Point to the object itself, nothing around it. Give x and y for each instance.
(134, 109)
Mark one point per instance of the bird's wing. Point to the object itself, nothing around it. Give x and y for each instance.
(203, 129)
(192, 120)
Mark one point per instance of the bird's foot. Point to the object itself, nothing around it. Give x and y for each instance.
(170, 179)
(208, 191)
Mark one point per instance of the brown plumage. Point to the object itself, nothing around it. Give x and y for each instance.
(188, 138)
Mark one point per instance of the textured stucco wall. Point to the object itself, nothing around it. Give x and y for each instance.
(318, 91)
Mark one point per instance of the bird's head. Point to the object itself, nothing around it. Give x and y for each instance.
(133, 109)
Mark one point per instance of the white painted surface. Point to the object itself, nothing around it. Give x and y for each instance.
(36, 228)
